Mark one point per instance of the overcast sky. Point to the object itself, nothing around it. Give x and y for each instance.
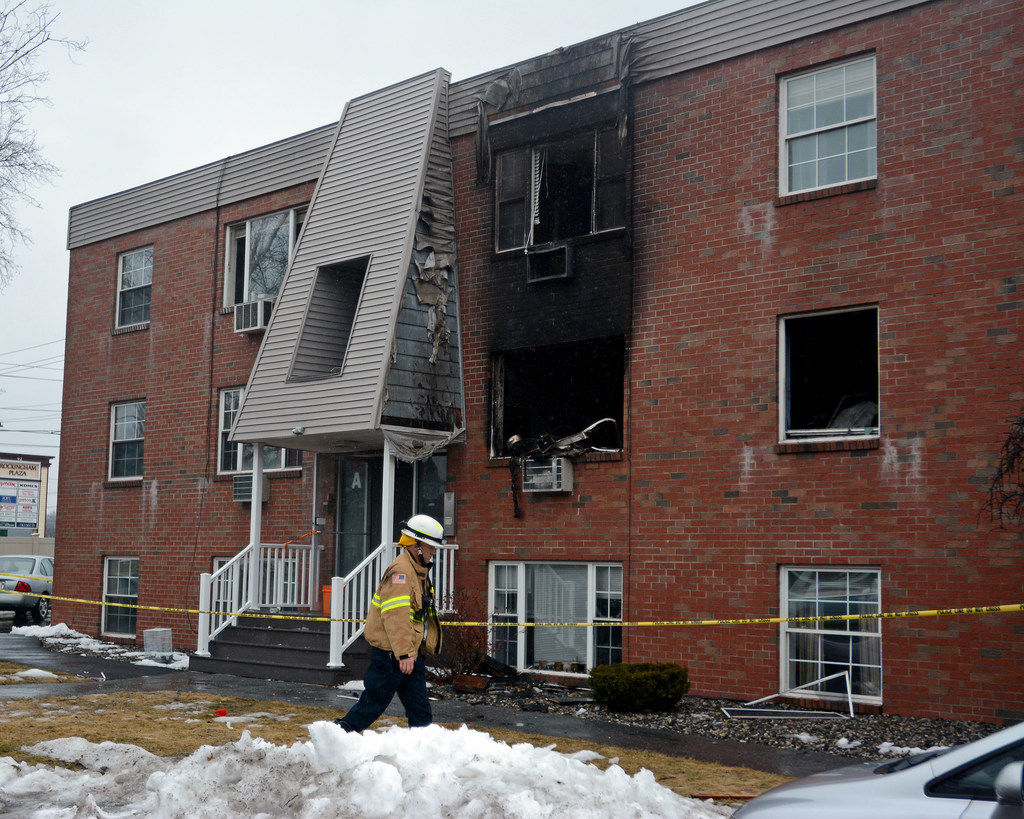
(166, 86)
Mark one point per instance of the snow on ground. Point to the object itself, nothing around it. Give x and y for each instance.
(427, 772)
(889, 749)
(61, 637)
(30, 675)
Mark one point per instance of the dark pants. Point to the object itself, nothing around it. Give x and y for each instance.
(382, 681)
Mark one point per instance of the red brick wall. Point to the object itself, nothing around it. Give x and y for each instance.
(180, 515)
(702, 511)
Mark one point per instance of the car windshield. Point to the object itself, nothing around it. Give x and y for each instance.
(17, 565)
(908, 761)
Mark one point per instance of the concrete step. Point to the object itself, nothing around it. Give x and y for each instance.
(274, 671)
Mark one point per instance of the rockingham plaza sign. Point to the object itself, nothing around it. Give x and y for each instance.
(22, 497)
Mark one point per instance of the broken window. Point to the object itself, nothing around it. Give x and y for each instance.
(559, 190)
(829, 374)
(820, 648)
(550, 392)
(258, 252)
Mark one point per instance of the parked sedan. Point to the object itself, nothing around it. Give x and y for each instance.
(983, 779)
(31, 573)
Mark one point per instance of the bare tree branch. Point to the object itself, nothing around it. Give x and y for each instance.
(1005, 502)
(25, 30)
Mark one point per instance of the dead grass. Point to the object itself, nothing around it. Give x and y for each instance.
(7, 669)
(176, 724)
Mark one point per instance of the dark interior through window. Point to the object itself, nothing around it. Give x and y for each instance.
(559, 390)
(832, 372)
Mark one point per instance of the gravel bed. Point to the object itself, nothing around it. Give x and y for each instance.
(864, 736)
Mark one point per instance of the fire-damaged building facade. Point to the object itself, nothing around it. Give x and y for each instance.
(715, 317)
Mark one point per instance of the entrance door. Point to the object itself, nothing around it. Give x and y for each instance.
(359, 482)
(418, 488)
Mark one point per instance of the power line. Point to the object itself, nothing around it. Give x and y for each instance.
(34, 407)
(32, 431)
(33, 347)
(30, 377)
(39, 363)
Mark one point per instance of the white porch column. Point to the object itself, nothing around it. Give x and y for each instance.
(387, 496)
(255, 526)
(205, 598)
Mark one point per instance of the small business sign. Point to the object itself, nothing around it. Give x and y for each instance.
(21, 487)
(26, 470)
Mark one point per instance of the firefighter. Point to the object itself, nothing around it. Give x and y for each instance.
(402, 621)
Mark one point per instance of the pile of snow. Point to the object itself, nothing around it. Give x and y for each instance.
(843, 742)
(889, 749)
(807, 739)
(64, 639)
(30, 675)
(429, 772)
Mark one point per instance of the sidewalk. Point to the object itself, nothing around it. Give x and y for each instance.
(121, 676)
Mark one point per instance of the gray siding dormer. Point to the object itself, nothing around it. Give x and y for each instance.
(322, 366)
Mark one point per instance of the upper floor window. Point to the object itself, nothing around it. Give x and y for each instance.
(134, 280)
(827, 126)
(828, 380)
(561, 189)
(127, 439)
(258, 252)
(237, 457)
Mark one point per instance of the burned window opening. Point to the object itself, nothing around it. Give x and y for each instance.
(831, 374)
(562, 189)
(559, 399)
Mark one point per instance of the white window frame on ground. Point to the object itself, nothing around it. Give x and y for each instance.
(135, 276)
(275, 459)
(296, 217)
(827, 126)
(788, 433)
(508, 602)
(124, 432)
(126, 591)
(796, 638)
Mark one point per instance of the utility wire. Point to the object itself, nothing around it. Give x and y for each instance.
(33, 347)
(30, 377)
(32, 431)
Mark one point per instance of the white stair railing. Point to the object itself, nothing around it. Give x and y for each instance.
(221, 595)
(287, 576)
(351, 595)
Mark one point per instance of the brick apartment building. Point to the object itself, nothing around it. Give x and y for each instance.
(769, 256)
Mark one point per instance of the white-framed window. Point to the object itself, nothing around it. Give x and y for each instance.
(824, 647)
(828, 375)
(127, 440)
(257, 255)
(237, 457)
(134, 283)
(560, 189)
(827, 126)
(121, 587)
(531, 592)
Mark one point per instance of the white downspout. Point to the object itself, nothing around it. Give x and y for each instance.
(255, 526)
(387, 497)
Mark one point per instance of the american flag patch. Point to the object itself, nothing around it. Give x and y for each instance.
(398, 579)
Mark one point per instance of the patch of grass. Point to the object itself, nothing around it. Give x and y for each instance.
(7, 669)
(171, 723)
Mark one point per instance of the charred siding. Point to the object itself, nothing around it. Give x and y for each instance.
(424, 387)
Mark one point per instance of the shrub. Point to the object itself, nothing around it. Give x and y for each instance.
(640, 686)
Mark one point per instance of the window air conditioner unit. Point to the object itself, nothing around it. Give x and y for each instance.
(549, 262)
(253, 316)
(241, 489)
(547, 475)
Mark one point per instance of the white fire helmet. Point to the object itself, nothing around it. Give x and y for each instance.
(425, 529)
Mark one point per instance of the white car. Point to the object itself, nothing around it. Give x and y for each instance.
(20, 575)
(981, 780)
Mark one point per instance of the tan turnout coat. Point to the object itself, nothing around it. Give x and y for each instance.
(391, 624)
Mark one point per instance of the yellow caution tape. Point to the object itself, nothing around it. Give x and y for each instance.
(882, 615)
